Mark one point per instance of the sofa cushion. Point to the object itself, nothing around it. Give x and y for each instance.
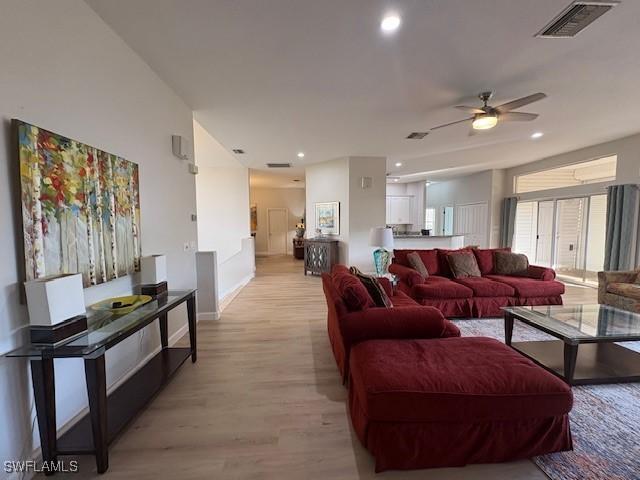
(463, 264)
(439, 287)
(484, 287)
(529, 287)
(373, 286)
(507, 263)
(453, 380)
(484, 256)
(401, 299)
(629, 290)
(352, 291)
(443, 263)
(429, 258)
(417, 264)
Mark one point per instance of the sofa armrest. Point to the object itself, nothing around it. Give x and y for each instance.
(618, 277)
(392, 323)
(541, 273)
(407, 275)
(605, 278)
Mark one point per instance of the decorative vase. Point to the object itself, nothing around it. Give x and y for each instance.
(381, 259)
(300, 232)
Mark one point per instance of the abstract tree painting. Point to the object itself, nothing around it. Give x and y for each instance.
(80, 208)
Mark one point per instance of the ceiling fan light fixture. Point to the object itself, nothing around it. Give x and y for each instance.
(484, 121)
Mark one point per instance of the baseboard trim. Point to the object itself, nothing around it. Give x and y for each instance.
(234, 291)
(208, 316)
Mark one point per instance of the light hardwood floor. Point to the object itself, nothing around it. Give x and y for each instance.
(264, 400)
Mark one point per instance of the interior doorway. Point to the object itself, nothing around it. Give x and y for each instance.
(277, 231)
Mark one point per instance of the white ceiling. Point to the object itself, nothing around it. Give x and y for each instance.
(280, 76)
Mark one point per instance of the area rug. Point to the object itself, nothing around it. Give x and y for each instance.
(605, 420)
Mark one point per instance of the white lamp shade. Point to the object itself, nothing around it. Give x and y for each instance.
(381, 237)
(52, 300)
(153, 269)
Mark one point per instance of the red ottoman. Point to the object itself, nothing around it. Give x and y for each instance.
(454, 401)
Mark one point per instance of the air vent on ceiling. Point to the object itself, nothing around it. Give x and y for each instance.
(417, 135)
(238, 151)
(279, 165)
(575, 18)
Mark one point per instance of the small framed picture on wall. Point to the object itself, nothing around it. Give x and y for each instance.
(328, 218)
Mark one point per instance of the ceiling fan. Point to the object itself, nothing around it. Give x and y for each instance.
(487, 117)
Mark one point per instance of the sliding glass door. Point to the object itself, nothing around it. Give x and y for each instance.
(570, 236)
(567, 234)
(544, 238)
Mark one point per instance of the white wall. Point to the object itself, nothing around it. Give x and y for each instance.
(293, 199)
(329, 182)
(360, 209)
(65, 70)
(367, 208)
(222, 187)
(222, 194)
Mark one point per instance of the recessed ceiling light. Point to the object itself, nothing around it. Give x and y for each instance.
(398, 164)
(390, 23)
(537, 135)
(300, 154)
(395, 179)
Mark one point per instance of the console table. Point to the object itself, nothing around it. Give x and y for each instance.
(320, 254)
(108, 414)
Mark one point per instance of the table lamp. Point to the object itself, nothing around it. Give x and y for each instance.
(382, 238)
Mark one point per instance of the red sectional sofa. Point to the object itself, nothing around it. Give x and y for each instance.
(473, 296)
(454, 401)
(406, 319)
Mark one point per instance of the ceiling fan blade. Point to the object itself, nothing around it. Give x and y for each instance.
(517, 116)
(464, 108)
(521, 102)
(452, 123)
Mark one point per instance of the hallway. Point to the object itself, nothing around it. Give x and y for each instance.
(264, 400)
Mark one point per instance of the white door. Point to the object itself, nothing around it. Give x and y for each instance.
(471, 221)
(277, 221)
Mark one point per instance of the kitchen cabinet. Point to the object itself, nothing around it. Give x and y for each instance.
(399, 210)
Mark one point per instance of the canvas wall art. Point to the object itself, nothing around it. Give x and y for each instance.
(80, 208)
(328, 218)
(253, 215)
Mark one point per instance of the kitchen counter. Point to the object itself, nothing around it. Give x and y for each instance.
(425, 242)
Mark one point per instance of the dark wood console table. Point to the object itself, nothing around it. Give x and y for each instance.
(320, 255)
(108, 414)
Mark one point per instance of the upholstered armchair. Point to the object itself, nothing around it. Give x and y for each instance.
(620, 289)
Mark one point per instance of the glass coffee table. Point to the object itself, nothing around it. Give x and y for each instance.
(587, 349)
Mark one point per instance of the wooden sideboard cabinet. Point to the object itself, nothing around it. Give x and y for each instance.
(320, 254)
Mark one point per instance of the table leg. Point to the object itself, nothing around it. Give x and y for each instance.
(164, 330)
(97, 390)
(508, 328)
(570, 356)
(191, 314)
(42, 377)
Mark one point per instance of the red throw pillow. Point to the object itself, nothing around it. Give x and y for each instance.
(353, 292)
